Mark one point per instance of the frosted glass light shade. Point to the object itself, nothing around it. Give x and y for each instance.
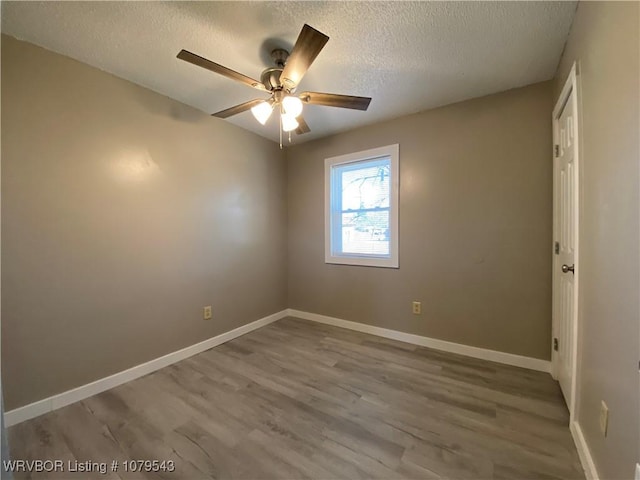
(292, 106)
(289, 123)
(262, 112)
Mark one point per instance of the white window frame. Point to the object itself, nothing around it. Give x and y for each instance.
(391, 261)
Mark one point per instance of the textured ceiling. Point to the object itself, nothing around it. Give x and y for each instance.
(407, 56)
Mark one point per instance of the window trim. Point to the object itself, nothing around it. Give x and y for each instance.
(393, 152)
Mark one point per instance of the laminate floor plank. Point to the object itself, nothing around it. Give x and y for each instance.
(40, 439)
(298, 399)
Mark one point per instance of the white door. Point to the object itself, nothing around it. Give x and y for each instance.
(565, 245)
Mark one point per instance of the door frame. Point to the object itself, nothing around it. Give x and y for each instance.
(571, 86)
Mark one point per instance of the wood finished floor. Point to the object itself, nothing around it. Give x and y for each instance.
(298, 399)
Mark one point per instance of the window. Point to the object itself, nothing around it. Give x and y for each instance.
(361, 208)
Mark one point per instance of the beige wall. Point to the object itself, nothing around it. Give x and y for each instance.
(604, 41)
(475, 226)
(123, 214)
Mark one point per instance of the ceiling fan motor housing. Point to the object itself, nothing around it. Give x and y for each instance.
(270, 78)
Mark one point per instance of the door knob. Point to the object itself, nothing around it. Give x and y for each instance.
(566, 268)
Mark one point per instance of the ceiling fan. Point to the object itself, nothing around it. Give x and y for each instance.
(281, 81)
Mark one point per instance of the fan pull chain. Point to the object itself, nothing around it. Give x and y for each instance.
(280, 117)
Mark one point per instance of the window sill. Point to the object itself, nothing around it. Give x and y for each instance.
(362, 261)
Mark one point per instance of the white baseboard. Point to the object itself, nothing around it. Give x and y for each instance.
(501, 357)
(469, 351)
(60, 400)
(583, 452)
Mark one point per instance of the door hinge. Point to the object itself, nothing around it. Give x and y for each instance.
(555, 344)
(556, 248)
(556, 150)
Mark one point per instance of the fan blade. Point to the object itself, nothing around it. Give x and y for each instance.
(307, 47)
(334, 100)
(302, 126)
(214, 67)
(243, 107)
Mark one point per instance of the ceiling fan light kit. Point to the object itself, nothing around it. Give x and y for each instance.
(281, 81)
(262, 111)
(289, 123)
(292, 105)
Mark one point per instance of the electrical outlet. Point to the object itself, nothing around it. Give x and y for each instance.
(637, 477)
(417, 308)
(604, 418)
(206, 313)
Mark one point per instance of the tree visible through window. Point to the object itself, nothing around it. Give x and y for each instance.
(365, 207)
(362, 221)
